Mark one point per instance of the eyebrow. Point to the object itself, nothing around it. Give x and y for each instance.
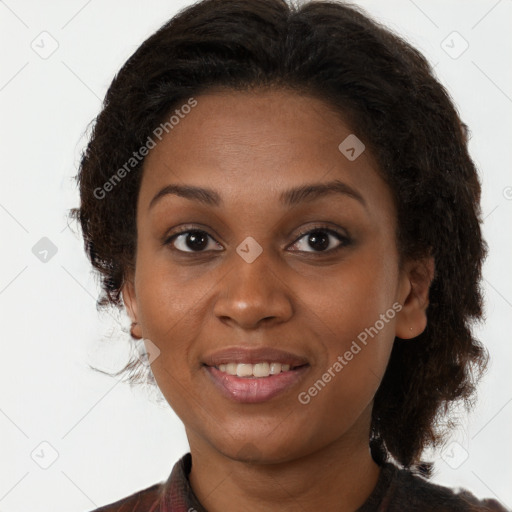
(291, 197)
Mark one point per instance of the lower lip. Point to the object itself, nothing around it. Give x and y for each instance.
(255, 389)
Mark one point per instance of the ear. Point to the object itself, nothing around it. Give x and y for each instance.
(417, 276)
(130, 302)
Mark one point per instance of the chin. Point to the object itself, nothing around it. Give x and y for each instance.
(258, 450)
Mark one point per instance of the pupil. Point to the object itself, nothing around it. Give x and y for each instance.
(317, 236)
(197, 240)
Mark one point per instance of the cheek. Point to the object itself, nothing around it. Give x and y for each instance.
(169, 299)
(354, 312)
(172, 316)
(352, 298)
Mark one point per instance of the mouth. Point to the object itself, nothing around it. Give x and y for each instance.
(255, 383)
(259, 370)
(254, 375)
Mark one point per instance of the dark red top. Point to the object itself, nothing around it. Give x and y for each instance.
(397, 490)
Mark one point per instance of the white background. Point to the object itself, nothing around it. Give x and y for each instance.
(110, 440)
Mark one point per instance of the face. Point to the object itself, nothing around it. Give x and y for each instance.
(260, 269)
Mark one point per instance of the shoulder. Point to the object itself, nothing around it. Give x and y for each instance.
(413, 492)
(173, 494)
(146, 500)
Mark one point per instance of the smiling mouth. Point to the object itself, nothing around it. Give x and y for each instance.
(258, 370)
(245, 387)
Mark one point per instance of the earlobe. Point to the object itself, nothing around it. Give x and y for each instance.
(130, 302)
(412, 318)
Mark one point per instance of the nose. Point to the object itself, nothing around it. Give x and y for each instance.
(253, 293)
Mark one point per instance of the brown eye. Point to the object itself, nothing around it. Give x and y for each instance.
(190, 241)
(321, 240)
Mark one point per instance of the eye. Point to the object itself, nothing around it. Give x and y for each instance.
(194, 240)
(320, 239)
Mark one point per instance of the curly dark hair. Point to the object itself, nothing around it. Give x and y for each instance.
(387, 91)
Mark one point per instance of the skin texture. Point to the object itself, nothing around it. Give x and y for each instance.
(249, 147)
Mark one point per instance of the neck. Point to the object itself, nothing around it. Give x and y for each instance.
(340, 477)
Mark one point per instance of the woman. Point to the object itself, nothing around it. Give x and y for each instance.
(283, 200)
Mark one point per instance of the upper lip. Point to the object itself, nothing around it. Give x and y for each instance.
(252, 356)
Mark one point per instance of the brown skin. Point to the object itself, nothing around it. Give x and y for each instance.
(279, 454)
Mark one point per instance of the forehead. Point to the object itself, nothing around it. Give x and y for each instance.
(248, 145)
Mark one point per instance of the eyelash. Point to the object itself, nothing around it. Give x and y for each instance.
(342, 238)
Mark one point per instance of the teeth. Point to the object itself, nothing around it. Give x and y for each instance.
(253, 370)
(261, 370)
(244, 370)
(231, 368)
